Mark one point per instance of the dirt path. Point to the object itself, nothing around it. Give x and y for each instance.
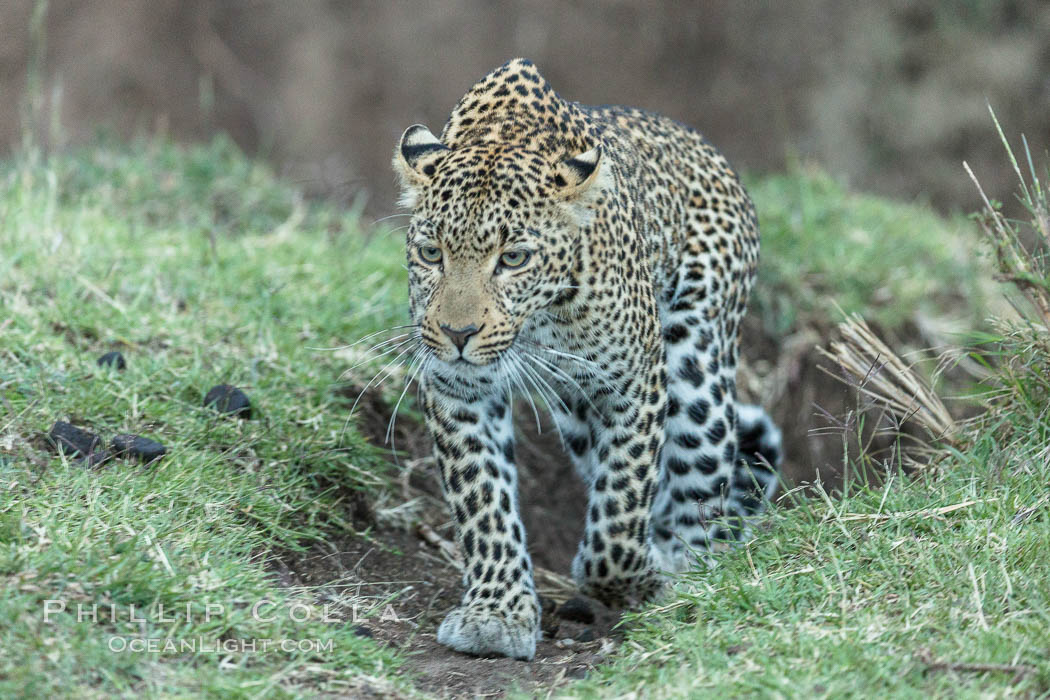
(422, 581)
(420, 587)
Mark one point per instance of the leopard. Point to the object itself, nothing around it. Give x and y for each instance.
(599, 259)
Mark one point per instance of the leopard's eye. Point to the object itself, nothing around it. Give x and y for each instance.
(430, 253)
(514, 258)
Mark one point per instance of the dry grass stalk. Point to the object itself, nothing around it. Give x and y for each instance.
(880, 374)
(548, 583)
(1018, 671)
(922, 513)
(1027, 269)
(1017, 265)
(555, 586)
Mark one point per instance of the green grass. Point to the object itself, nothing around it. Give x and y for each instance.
(825, 247)
(203, 268)
(854, 597)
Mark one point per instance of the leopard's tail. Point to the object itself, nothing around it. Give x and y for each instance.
(761, 451)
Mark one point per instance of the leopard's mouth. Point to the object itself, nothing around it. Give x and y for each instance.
(465, 379)
(470, 361)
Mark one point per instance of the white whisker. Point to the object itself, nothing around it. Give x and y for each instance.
(388, 370)
(560, 353)
(397, 343)
(370, 335)
(420, 352)
(536, 380)
(559, 374)
(346, 372)
(392, 216)
(514, 372)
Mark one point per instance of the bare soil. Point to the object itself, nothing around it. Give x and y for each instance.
(422, 588)
(423, 582)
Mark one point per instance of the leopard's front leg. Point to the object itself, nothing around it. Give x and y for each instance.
(615, 560)
(474, 446)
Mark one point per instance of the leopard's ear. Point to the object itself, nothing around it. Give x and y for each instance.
(574, 176)
(415, 161)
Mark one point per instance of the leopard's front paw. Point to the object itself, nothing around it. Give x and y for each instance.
(483, 630)
(602, 579)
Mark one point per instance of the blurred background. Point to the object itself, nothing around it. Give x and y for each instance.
(889, 96)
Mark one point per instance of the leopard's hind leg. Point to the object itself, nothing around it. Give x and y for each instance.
(699, 456)
(712, 474)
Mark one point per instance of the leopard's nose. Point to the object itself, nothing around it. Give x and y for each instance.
(460, 336)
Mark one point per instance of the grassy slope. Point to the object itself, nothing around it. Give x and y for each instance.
(854, 597)
(107, 250)
(825, 247)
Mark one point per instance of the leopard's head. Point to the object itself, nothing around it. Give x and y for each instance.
(494, 238)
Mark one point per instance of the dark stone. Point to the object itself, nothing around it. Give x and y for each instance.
(361, 511)
(576, 610)
(229, 399)
(587, 635)
(112, 359)
(362, 631)
(548, 619)
(71, 440)
(144, 449)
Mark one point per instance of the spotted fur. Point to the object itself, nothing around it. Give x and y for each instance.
(601, 257)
